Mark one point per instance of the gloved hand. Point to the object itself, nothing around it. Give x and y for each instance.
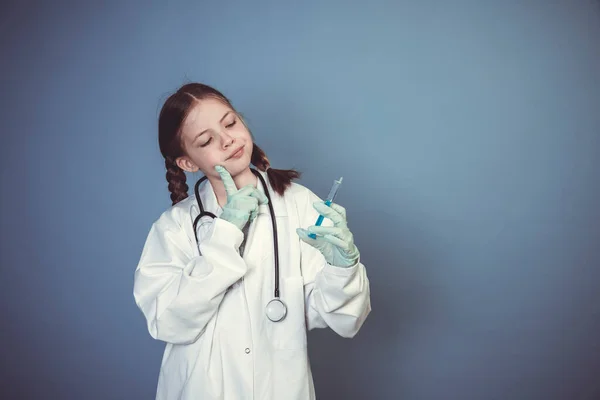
(242, 205)
(336, 243)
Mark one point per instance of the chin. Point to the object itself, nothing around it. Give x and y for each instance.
(239, 166)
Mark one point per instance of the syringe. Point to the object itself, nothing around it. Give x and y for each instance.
(328, 200)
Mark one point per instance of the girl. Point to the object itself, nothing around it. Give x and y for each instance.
(233, 293)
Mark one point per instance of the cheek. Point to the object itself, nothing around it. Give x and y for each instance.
(247, 137)
(211, 160)
(243, 132)
(205, 160)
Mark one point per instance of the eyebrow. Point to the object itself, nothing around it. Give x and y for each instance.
(206, 130)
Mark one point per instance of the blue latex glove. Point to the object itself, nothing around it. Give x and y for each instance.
(336, 243)
(242, 205)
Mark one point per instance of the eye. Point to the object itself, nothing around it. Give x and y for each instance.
(231, 124)
(206, 143)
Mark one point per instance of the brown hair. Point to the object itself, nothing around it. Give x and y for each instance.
(172, 116)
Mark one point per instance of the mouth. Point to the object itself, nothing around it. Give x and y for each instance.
(237, 154)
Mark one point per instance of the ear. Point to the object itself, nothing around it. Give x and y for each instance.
(186, 164)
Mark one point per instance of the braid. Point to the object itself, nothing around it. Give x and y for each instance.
(259, 159)
(176, 178)
(280, 179)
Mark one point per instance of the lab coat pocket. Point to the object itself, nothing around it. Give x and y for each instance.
(290, 333)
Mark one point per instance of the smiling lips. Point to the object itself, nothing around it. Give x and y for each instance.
(238, 153)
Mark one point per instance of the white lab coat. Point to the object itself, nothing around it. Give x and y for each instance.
(209, 308)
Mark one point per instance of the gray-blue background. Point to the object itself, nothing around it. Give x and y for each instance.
(468, 135)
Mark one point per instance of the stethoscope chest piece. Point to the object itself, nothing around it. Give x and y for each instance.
(276, 310)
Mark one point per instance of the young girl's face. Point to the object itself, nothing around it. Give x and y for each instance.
(213, 134)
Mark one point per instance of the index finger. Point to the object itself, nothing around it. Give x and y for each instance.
(330, 213)
(228, 182)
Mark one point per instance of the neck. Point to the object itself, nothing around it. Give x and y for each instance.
(242, 179)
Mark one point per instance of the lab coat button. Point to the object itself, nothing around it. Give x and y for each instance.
(247, 350)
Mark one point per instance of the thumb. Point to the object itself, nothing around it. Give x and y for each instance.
(260, 196)
(304, 236)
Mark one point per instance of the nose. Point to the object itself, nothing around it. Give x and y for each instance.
(226, 139)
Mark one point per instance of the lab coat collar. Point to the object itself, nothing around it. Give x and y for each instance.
(210, 203)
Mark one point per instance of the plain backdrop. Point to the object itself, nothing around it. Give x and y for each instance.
(467, 133)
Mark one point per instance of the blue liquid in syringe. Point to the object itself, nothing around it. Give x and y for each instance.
(328, 200)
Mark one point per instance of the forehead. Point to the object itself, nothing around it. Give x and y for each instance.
(204, 114)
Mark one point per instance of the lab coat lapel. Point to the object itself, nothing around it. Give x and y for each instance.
(209, 199)
(278, 207)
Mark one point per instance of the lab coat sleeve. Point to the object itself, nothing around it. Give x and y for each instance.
(338, 298)
(179, 291)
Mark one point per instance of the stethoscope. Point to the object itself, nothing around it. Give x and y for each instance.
(276, 309)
